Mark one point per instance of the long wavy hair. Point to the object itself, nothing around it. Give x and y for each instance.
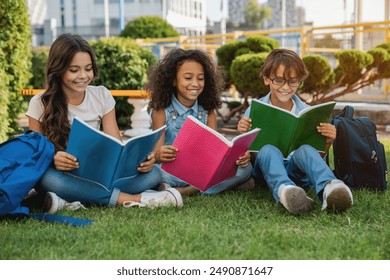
(161, 79)
(54, 121)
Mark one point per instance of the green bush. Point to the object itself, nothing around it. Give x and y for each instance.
(259, 44)
(351, 65)
(321, 74)
(245, 71)
(252, 45)
(123, 64)
(38, 65)
(149, 27)
(226, 54)
(3, 101)
(381, 55)
(15, 42)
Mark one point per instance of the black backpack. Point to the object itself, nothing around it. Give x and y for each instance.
(359, 158)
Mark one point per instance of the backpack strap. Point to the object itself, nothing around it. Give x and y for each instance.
(347, 112)
(52, 218)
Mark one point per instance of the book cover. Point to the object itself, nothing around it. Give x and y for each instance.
(288, 131)
(105, 159)
(205, 157)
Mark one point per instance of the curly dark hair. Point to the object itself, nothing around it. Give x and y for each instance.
(161, 79)
(54, 121)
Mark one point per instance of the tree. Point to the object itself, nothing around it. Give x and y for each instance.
(356, 69)
(255, 14)
(15, 42)
(149, 27)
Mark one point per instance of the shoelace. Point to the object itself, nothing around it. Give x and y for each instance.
(151, 204)
(75, 205)
(129, 204)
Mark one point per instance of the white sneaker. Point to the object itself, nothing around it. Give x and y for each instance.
(337, 196)
(151, 198)
(53, 203)
(294, 199)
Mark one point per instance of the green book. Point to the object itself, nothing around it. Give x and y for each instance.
(286, 130)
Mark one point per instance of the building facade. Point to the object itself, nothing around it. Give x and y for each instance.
(292, 16)
(93, 19)
(236, 11)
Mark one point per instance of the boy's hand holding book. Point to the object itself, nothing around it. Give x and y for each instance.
(244, 125)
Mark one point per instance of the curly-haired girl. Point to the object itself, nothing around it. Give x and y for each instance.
(188, 83)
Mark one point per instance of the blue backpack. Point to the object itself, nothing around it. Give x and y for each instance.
(23, 161)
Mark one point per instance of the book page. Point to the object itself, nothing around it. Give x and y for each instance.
(277, 126)
(134, 152)
(307, 126)
(96, 153)
(228, 167)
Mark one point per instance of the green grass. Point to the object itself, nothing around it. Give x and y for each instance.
(232, 225)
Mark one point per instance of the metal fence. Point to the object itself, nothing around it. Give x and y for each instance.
(305, 40)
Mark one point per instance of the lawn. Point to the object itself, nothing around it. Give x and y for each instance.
(229, 226)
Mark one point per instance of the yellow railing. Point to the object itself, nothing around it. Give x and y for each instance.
(305, 40)
(133, 94)
(377, 32)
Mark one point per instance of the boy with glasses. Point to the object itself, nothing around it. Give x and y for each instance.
(283, 71)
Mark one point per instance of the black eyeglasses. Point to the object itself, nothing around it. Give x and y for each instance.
(281, 82)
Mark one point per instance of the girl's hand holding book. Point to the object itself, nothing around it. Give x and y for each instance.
(166, 154)
(148, 164)
(244, 160)
(65, 162)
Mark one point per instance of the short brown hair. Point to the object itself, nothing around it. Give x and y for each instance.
(289, 59)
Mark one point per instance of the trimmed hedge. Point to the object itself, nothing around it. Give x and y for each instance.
(3, 102)
(15, 42)
(123, 64)
(149, 27)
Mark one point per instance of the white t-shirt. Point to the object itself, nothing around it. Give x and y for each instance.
(97, 102)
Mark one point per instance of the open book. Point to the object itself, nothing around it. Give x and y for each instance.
(285, 130)
(105, 159)
(205, 157)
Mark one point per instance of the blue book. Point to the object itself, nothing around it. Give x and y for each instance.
(105, 159)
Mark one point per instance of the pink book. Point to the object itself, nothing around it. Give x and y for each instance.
(205, 157)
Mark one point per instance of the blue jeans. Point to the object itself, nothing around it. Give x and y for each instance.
(74, 188)
(241, 176)
(304, 167)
